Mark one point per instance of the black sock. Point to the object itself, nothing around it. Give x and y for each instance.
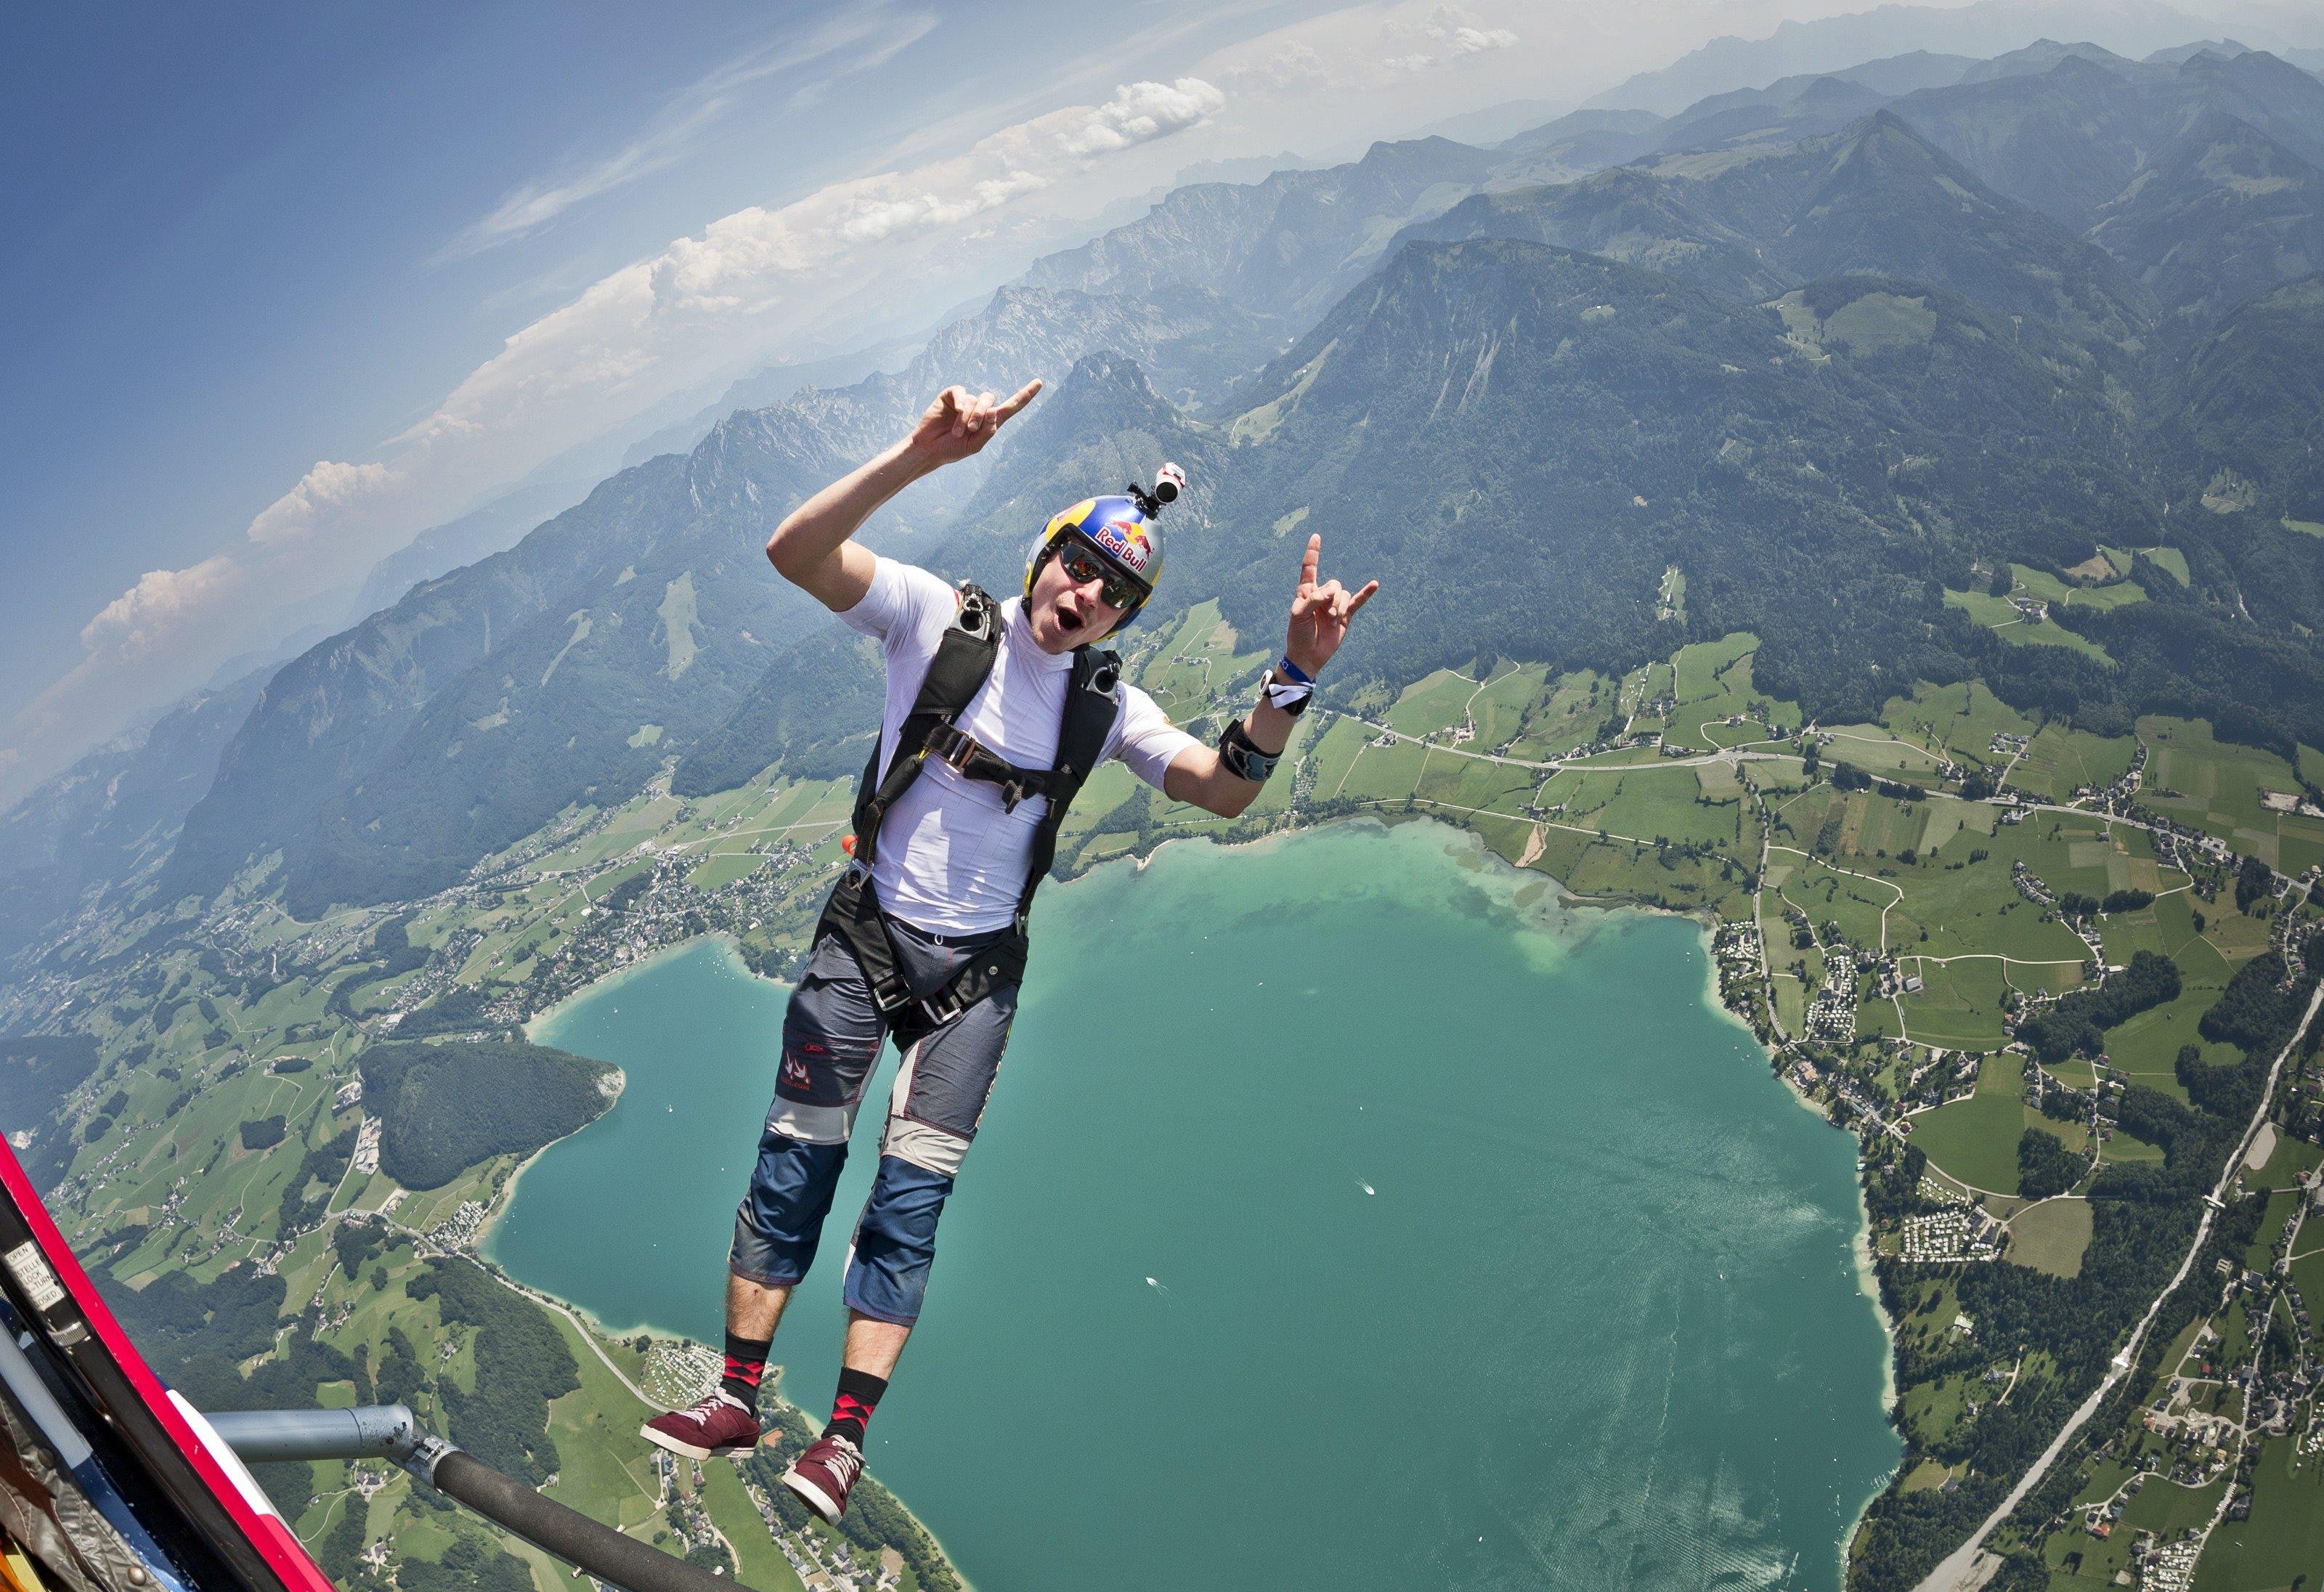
(746, 1362)
(851, 1410)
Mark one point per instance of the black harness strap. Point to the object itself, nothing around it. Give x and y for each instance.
(1092, 702)
(963, 663)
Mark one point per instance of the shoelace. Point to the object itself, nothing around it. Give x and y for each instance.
(701, 1412)
(846, 1461)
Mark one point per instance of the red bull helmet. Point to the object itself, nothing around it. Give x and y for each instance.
(1123, 531)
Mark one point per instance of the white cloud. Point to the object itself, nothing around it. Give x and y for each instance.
(129, 626)
(655, 323)
(874, 34)
(1473, 41)
(1358, 47)
(1136, 112)
(325, 493)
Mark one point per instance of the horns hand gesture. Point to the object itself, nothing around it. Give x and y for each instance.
(960, 422)
(1320, 613)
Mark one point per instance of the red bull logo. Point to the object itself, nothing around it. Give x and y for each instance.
(1125, 542)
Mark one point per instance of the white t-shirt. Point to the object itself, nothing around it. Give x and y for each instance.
(950, 859)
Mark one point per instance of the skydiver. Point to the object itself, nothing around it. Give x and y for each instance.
(924, 938)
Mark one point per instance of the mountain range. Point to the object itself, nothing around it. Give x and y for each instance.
(1984, 30)
(1825, 345)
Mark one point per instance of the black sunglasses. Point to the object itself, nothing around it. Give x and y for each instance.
(1083, 563)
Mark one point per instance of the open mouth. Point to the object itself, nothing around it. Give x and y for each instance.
(1070, 613)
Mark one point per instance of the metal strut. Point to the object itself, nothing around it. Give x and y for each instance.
(390, 1432)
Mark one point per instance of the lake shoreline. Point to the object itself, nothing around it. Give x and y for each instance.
(1537, 901)
(1867, 1281)
(506, 1194)
(532, 1029)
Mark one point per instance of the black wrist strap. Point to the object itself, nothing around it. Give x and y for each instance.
(1286, 694)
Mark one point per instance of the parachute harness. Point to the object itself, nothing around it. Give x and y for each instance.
(963, 663)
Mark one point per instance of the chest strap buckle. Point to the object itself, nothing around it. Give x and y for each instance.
(971, 759)
(950, 745)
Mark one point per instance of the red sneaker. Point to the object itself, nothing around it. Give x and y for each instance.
(719, 1424)
(822, 1476)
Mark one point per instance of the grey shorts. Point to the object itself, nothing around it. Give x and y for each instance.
(831, 1035)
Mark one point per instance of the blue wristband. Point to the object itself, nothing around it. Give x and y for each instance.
(1292, 672)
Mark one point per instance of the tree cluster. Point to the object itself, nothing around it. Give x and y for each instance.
(522, 1364)
(2045, 1167)
(2077, 1022)
(443, 1108)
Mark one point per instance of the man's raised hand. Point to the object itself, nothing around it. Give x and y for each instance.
(959, 423)
(1320, 613)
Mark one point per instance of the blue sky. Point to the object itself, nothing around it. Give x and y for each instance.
(245, 239)
(239, 233)
(290, 283)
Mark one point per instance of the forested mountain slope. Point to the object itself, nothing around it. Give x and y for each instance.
(1822, 105)
(1281, 247)
(1749, 221)
(2070, 140)
(2222, 213)
(2254, 411)
(1544, 431)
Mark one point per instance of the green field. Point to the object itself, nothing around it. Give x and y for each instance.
(2051, 1237)
(2170, 560)
(2061, 761)
(1652, 804)
(2104, 595)
(2220, 788)
(1710, 682)
(2146, 1047)
(1559, 715)
(1958, 1006)
(1499, 710)
(1440, 702)
(1875, 750)
(2290, 1157)
(1195, 665)
(1975, 1140)
(2002, 617)
(1961, 720)
(723, 871)
(1826, 894)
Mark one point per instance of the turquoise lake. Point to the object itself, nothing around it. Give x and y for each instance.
(1347, 1215)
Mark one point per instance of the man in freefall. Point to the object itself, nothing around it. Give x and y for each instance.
(996, 713)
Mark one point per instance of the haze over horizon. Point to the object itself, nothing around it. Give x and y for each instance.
(339, 283)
